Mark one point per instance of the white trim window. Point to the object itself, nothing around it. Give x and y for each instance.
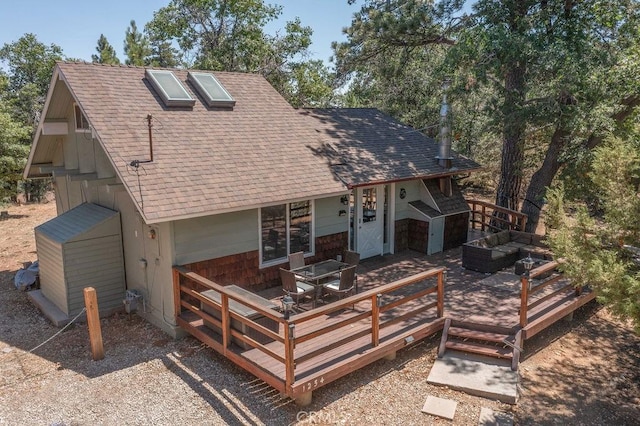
(82, 124)
(284, 229)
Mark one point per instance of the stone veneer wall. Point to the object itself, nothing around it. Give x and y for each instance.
(418, 235)
(456, 229)
(243, 269)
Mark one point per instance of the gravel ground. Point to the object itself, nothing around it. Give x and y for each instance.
(583, 372)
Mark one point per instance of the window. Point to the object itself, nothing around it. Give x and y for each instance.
(169, 88)
(82, 124)
(211, 90)
(286, 228)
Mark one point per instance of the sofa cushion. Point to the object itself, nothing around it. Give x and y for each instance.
(505, 248)
(497, 254)
(515, 244)
(503, 237)
(492, 240)
(520, 237)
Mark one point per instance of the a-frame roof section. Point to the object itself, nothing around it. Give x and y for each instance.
(366, 146)
(206, 161)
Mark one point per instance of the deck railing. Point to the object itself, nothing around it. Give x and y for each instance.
(487, 216)
(313, 331)
(562, 294)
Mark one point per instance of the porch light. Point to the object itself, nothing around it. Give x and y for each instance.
(527, 262)
(287, 306)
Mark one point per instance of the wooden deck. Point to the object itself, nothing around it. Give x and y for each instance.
(399, 304)
(313, 348)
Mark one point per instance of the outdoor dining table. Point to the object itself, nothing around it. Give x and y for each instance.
(316, 272)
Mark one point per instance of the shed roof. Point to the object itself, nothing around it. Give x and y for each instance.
(71, 225)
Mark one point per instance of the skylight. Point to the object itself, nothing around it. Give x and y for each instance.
(211, 90)
(169, 88)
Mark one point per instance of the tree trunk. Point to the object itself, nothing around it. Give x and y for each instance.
(513, 140)
(542, 178)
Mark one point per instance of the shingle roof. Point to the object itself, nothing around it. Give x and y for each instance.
(206, 160)
(261, 152)
(366, 146)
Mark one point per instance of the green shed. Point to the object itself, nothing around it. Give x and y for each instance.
(81, 248)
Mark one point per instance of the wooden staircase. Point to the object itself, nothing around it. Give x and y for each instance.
(481, 339)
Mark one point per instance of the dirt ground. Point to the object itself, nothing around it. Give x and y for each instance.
(584, 372)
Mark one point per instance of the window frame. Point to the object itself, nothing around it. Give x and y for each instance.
(281, 260)
(83, 120)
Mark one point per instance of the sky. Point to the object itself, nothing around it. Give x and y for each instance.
(76, 25)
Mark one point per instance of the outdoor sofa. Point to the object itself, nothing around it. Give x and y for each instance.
(502, 249)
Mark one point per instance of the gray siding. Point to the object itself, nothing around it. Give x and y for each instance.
(51, 266)
(327, 219)
(97, 263)
(211, 237)
(412, 187)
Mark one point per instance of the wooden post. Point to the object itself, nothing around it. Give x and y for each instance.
(440, 306)
(177, 306)
(226, 321)
(375, 319)
(289, 361)
(93, 322)
(524, 300)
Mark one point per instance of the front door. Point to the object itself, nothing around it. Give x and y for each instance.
(370, 218)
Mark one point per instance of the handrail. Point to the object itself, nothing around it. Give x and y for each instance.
(288, 336)
(514, 219)
(527, 290)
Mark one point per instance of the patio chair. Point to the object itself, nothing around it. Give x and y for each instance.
(294, 288)
(296, 260)
(343, 286)
(353, 259)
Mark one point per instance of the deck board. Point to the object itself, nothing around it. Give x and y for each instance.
(467, 299)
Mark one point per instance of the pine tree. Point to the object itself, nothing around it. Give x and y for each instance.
(106, 52)
(136, 46)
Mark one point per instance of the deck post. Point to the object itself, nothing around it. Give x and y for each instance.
(375, 319)
(524, 299)
(442, 276)
(484, 215)
(177, 307)
(289, 336)
(226, 321)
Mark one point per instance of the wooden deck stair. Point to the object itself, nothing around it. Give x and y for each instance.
(481, 339)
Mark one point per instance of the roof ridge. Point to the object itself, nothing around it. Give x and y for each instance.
(146, 67)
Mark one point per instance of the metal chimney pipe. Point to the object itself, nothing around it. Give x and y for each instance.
(444, 148)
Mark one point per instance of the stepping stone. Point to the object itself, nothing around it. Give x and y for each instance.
(440, 407)
(488, 417)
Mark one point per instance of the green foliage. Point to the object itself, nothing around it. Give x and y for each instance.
(106, 52)
(600, 252)
(23, 89)
(14, 149)
(524, 73)
(229, 36)
(29, 62)
(136, 46)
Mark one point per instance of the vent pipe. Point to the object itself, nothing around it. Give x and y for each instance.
(444, 148)
(150, 125)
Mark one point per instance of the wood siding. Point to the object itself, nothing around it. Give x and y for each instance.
(51, 265)
(216, 236)
(98, 264)
(243, 269)
(327, 217)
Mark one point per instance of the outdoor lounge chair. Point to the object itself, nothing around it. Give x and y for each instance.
(343, 286)
(296, 289)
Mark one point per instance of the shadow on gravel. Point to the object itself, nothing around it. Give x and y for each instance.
(596, 368)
